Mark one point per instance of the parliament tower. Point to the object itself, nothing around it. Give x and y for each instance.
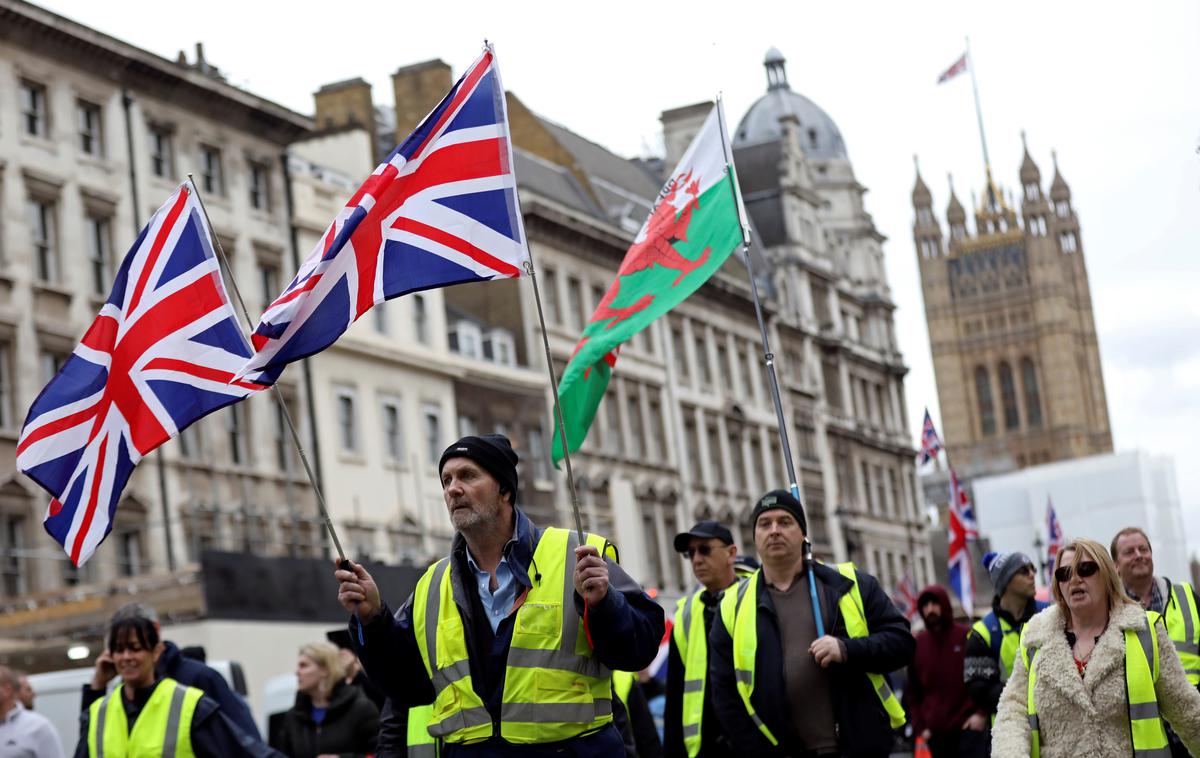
(1011, 328)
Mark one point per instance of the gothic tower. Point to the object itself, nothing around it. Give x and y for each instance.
(1011, 329)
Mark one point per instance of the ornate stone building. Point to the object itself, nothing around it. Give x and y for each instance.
(1011, 329)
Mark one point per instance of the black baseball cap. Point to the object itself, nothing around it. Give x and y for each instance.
(705, 530)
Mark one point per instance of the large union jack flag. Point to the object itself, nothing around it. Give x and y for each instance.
(1054, 535)
(931, 444)
(963, 530)
(441, 210)
(160, 355)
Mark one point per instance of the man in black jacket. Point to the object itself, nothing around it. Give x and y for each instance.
(797, 693)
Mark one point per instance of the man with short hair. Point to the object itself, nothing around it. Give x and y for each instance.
(187, 671)
(514, 635)
(995, 639)
(25, 692)
(690, 728)
(1174, 601)
(23, 732)
(781, 689)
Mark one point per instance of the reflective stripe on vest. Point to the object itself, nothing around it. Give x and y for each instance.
(740, 617)
(554, 688)
(1183, 627)
(163, 728)
(851, 607)
(420, 743)
(691, 639)
(1141, 674)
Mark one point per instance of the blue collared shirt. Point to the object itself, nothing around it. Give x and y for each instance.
(496, 605)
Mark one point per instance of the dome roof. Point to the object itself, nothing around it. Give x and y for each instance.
(819, 135)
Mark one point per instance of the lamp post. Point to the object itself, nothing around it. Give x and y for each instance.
(1040, 556)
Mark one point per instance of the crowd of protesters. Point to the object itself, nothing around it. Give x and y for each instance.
(530, 641)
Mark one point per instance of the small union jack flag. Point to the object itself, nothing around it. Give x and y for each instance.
(955, 69)
(963, 530)
(906, 596)
(441, 210)
(1054, 533)
(161, 354)
(931, 444)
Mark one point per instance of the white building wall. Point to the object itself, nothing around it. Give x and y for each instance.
(1094, 497)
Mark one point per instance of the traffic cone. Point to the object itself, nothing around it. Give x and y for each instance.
(921, 749)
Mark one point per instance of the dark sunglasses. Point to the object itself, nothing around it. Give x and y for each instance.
(703, 550)
(1086, 569)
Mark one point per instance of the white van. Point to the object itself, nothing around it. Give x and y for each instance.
(60, 693)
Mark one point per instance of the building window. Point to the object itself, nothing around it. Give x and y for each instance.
(130, 560)
(737, 462)
(1068, 242)
(680, 354)
(347, 421)
(715, 459)
(51, 363)
(212, 175)
(12, 543)
(616, 440)
(99, 241)
(575, 302)
(43, 226)
(538, 455)
(268, 282)
(1033, 400)
(420, 319)
(1008, 397)
(1032, 191)
(162, 152)
(636, 428)
(379, 318)
(1062, 208)
(260, 186)
(6, 385)
(467, 427)
(91, 135)
(432, 420)
(550, 296)
(723, 366)
(191, 442)
(282, 439)
(703, 369)
(466, 339)
(35, 119)
(393, 445)
(654, 426)
(235, 425)
(983, 395)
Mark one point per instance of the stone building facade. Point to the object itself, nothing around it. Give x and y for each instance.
(1011, 328)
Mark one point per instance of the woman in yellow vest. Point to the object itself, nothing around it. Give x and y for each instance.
(1096, 674)
(145, 716)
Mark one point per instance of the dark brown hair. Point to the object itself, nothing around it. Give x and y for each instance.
(1112, 549)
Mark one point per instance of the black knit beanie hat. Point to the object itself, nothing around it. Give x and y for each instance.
(491, 451)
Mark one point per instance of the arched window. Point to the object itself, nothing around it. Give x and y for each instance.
(1008, 396)
(1033, 399)
(983, 395)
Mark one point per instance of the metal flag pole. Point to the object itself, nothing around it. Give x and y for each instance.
(987, 164)
(768, 356)
(283, 409)
(537, 298)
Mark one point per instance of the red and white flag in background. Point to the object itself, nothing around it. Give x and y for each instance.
(955, 69)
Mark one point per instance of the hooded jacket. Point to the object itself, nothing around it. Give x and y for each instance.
(1088, 715)
(350, 727)
(936, 697)
(626, 628)
(861, 722)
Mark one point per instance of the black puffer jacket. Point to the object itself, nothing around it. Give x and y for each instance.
(350, 728)
(862, 724)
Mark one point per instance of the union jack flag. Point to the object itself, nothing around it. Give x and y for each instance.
(906, 596)
(1054, 534)
(931, 444)
(161, 354)
(441, 210)
(963, 530)
(955, 69)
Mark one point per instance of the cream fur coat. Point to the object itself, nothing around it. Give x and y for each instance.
(1089, 716)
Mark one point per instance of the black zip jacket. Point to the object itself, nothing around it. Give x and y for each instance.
(350, 727)
(860, 720)
(981, 668)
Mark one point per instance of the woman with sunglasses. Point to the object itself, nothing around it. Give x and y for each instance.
(1096, 674)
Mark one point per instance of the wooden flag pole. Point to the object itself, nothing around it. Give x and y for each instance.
(287, 416)
(768, 359)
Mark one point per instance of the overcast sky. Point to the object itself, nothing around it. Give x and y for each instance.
(1112, 86)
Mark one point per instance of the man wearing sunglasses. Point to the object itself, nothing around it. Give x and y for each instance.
(1175, 601)
(690, 728)
(995, 639)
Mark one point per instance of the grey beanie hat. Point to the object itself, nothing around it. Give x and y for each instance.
(1002, 567)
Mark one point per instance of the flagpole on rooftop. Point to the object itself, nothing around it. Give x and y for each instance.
(287, 416)
(768, 356)
(987, 164)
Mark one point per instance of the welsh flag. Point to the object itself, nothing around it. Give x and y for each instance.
(687, 237)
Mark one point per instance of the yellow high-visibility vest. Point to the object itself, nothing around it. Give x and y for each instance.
(691, 640)
(1141, 674)
(554, 687)
(163, 728)
(420, 743)
(1183, 627)
(741, 621)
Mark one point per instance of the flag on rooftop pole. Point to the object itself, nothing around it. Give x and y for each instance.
(963, 531)
(956, 68)
(931, 444)
(441, 210)
(161, 354)
(1054, 535)
(688, 236)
